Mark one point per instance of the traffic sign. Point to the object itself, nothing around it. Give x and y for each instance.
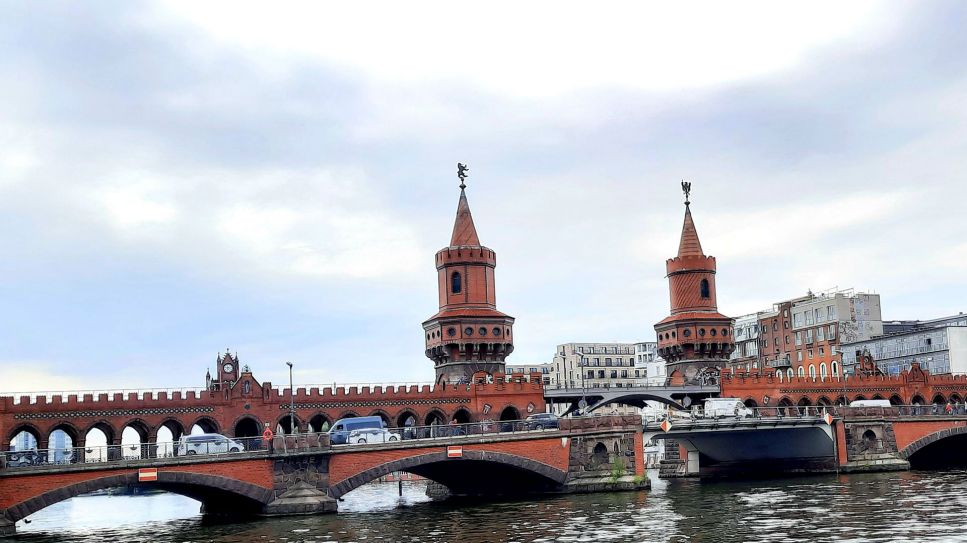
(666, 425)
(147, 475)
(454, 451)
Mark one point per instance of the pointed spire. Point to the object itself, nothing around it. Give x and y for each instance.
(464, 232)
(689, 245)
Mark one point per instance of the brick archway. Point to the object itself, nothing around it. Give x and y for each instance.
(199, 486)
(929, 439)
(413, 463)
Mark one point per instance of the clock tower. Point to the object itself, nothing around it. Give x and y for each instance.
(227, 369)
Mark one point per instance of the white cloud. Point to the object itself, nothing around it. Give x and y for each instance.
(541, 48)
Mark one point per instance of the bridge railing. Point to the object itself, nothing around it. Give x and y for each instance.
(55, 457)
(929, 410)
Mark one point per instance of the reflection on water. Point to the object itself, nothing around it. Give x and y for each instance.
(904, 506)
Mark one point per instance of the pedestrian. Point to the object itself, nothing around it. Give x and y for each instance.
(949, 409)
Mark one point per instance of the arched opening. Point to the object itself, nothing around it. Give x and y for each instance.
(434, 418)
(812, 371)
(834, 368)
(510, 413)
(939, 399)
(456, 285)
(822, 371)
(319, 423)
(870, 442)
(462, 416)
(801, 371)
(841, 400)
(406, 419)
(284, 425)
(917, 400)
(779, 375)
(169, 433)
(955, 398)
(750, 403)
(790, 374)
(99, 443)
(204, 425)
(859, 397)
(804, 404)
(941, 453)
(824, 401)
(248, 427)
(134, 440)
(60, 445)
(877, 397)
(704, 289)
(896, 400)
(599, 455)
(24, 442)
(785, 407)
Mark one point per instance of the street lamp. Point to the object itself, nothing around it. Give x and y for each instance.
(291, 401)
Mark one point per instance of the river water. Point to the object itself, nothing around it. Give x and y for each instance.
(899, 506)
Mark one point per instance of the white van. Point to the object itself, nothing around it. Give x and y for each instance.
(716, 408)
(870, 403)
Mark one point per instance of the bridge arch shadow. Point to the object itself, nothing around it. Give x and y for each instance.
(218, 495)
(493, 473)
(939, 449)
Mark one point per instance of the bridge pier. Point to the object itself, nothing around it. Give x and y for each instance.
(8, 528)
(300, 487)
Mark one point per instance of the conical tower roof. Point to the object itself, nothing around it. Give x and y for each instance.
(689, 245)
(464, 232)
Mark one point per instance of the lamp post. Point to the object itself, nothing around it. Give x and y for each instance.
(291, 401)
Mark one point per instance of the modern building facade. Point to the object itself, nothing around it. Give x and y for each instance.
(597, 365)
(939, 345)
(746, 356)
(802, 336)
(695, 340)
(546, 369)
(652, 365)
(468, 334)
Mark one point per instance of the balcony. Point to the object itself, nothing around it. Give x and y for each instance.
(781, 362)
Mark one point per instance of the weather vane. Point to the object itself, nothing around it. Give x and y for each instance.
(687, 189)
(462, 172)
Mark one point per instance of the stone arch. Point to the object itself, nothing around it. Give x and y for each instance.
(917, 400)
(509, 412)
(912, 448)
(246, 426)
(877, 397)
(413, 464)
(347, 415)
(407, 418)
(320, 423)
(938, 399)
(599, 454)
(207, 424)
(24, 427)
(859, 398)
(434, 417)
(896, 400)
(749, 402)
(198, 486)
(463, 416)
(824, 401)
(804, 402)
(283, 423)
(956, 398)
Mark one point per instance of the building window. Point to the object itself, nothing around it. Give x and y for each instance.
(833, 368)
(704, 288)
(799, 355)
(455, 284)
(812, 371)
(822, 370)
(802, 371)
(799, 338)
(832, 332)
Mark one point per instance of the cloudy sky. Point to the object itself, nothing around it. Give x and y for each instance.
(178, 178)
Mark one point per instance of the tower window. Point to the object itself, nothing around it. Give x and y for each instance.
(455, 284)
(704, 287)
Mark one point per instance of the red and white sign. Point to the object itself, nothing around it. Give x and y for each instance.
(146, 475)
(665, 425)
(828, 418)
(454, 451)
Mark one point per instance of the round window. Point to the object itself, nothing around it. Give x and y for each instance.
(725, 331)
(482, 331)
(496, 331)
(686, 332)
(451, 331)
(468, 331)
(701, 332)
(673, 334)
(428, 337)
(712, 331)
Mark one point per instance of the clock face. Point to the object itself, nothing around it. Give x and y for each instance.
(228, 368)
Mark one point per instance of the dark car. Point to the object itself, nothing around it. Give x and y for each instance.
(540, 421)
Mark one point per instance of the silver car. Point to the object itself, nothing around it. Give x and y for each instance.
(208, 444)
(372, 435)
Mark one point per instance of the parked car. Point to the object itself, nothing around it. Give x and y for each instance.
(539, 421)
(372, 435)
(715, 408)
(207, 444)
(339, 433)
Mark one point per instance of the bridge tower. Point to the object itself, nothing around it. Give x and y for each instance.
(468, 334)
(695, 340)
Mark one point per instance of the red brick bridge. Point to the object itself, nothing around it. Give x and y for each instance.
(302, 476)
